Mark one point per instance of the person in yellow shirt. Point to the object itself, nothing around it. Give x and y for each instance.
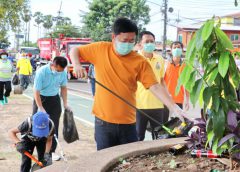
(145, 100)
(24, 69)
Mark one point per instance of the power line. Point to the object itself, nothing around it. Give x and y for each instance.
(154, 3)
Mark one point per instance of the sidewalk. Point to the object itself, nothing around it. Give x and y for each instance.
(18, 109)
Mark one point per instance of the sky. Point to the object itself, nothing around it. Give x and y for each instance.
(187, 11)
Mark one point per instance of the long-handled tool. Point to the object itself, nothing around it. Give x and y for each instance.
(168, 130)
(62, 154)
(33, 158)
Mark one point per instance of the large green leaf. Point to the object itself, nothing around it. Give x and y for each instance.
(219, 120)
(210, 135)
(223, 64)
(199, 40)
(196, 91)
(200, 99)
(207, 29)
(223, 38)
(209, 126)
(207, 94)
(191, 47)
(191, 81)
(215, 145)
(184, 77)
(215, 101)
(235, 74)
(212, 76)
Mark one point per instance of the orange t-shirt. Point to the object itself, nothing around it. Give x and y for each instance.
(171, 79)
(120, 74)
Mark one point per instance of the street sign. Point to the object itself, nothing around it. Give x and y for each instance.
(19, 36)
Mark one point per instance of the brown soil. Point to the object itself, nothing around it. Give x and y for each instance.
(165, 162)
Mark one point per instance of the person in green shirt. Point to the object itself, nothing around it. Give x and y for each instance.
(6, 69)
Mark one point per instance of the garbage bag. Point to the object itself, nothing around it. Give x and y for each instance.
(15, 80)
(17, 89)
(70, 133)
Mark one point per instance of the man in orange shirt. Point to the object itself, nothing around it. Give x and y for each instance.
(118, 68)
(173, 71)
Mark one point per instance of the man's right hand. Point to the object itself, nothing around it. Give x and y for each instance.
(79, 71)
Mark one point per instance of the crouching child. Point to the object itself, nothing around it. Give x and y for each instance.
(36, 131)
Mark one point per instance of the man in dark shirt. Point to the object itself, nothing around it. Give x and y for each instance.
(38, 131)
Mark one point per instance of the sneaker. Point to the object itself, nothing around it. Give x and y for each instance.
(2, 102)
(5, 100)
(55, 157)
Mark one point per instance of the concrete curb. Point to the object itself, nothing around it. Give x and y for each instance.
(102, 160)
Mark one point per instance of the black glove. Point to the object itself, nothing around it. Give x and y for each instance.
(47, 159)
(20, 146)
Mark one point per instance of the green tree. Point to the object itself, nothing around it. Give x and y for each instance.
(26, 17)
(38, 18)
(10, 17)
(61, 21)
(48, 22)
(10, 12)
(102, 14)
(67, 30)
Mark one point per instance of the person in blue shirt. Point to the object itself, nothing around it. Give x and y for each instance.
(48, 81)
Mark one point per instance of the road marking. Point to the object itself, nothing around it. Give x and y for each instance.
(28, 96)
(81, 96)
(84, 121)
(83, 105)
(80, 119)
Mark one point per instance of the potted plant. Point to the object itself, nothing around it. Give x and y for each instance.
(214, 88)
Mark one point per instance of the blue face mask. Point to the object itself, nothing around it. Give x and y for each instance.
(56, 72)
(149, 47)
(177, 52)
(124, 48)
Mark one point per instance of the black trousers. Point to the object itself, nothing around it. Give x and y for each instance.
(29, 146)
(142, 120)
(8, 88)
(52, 105)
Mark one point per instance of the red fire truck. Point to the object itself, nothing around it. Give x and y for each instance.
(51, 47)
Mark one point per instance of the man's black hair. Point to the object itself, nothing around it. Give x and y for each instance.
(124, 25)
(145, 33)
(176, 42)
(61, 61)
(3, 53)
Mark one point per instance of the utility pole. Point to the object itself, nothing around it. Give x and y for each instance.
(165, 10)
(28, 32)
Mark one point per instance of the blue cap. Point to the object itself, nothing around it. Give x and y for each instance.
(40, 125)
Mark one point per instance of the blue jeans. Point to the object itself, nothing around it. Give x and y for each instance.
(109, 134)
(24, 81)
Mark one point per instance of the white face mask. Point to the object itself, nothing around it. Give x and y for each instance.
(4, 57)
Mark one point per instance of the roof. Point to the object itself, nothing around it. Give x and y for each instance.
(234, 15)
(223, 27)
